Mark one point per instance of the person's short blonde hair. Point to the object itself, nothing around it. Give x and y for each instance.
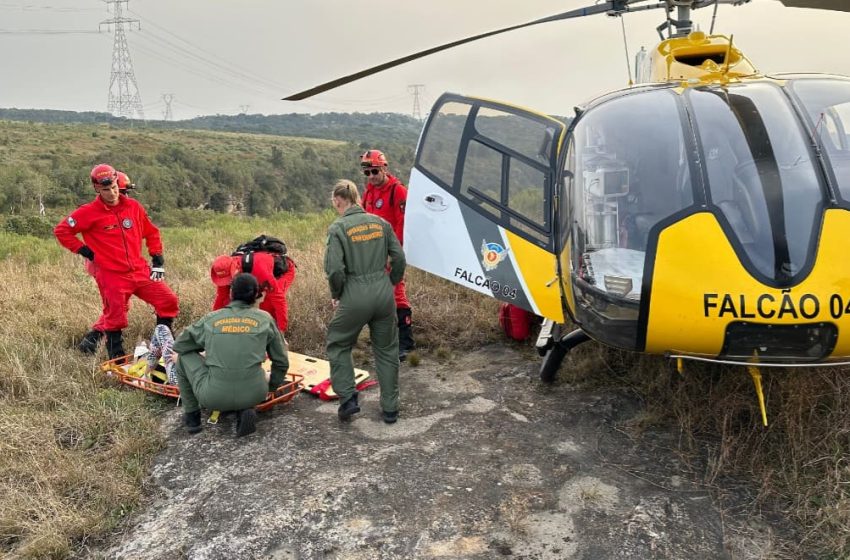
(347, 191)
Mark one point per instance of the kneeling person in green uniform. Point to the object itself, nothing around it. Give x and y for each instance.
(358, 248)
(229, 376)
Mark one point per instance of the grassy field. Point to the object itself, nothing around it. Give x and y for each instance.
(75, 446)
(24, 143)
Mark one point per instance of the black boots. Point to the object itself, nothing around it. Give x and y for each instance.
(405, 332)
(349, 408)
(114, 344)
(192, 421)
(389, 417)
(88, 345)
(246, 422)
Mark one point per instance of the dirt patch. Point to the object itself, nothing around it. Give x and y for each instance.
(484, 462)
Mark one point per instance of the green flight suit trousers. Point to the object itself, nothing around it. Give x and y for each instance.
(198, 387)
(366, 300)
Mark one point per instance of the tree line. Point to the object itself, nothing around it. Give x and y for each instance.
(44, 167)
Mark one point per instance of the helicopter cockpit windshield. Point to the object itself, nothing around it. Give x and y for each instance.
(761, 175)
(627, 170)
(827, 102)
(641, 161)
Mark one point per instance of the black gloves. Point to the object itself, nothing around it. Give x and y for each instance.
(86, 252)
(157, 272)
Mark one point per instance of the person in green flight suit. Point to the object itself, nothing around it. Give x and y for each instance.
(358, 248)
(229, 376)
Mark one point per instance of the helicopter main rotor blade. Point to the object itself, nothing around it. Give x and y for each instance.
(617, 5)
(837, 5)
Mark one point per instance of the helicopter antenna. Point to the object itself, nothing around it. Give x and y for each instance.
(728, 54)
(713, 17)
(626, 47)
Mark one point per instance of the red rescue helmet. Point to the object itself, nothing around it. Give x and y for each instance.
(124, 182)
(103, 174)
(373, 158)
(224, 268)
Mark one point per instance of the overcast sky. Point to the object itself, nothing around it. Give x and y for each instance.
(224, 56)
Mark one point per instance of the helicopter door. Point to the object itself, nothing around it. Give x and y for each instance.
(481, 204)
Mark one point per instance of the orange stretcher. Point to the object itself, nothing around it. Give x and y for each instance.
(317, 376)
(131, 373)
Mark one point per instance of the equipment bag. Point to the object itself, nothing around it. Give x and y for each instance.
(515, 321)
(267, 244)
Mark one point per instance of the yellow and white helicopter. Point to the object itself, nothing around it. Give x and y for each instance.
(701, 214)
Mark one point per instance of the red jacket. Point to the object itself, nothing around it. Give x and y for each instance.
(388, 201)
(113, 233)
(275, 288)
(262, 270)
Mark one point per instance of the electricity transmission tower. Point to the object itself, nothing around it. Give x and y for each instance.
(414, 89)
(124, 98)
(168, 98)
(243, 109)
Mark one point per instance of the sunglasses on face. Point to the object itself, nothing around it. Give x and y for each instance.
(373, 171)
(105, 182)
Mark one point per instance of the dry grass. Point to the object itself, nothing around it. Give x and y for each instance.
(514, 512)
(799, 465)
(75, 446)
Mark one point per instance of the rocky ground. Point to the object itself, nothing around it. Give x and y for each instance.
(484, 462)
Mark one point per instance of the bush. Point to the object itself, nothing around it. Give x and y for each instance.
(36, 226)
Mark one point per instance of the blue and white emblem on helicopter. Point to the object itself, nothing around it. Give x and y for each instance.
(492, 254)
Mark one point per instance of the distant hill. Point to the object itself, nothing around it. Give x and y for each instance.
(366, 129)
(178, 169)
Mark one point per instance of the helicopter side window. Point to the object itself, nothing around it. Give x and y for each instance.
(505, 172)
(482, 178)
(438, 153)
(827, 102)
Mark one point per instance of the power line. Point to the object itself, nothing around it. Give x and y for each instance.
(168, 98)
(124, 98)
(47, 32)
(206, 57)
(417, 110)
(30, 8)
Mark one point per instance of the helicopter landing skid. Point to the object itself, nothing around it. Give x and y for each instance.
(558, 349)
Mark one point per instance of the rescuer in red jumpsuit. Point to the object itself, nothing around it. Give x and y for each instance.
(262, 267)
(89, 343)
(386, 197)
(112, 227)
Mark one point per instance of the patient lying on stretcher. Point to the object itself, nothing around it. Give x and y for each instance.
(160, 358)
(157, 360)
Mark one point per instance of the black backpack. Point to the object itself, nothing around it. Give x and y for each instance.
(266, 244)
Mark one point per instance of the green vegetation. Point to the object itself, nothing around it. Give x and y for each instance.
(255, 175)
(367, 130)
